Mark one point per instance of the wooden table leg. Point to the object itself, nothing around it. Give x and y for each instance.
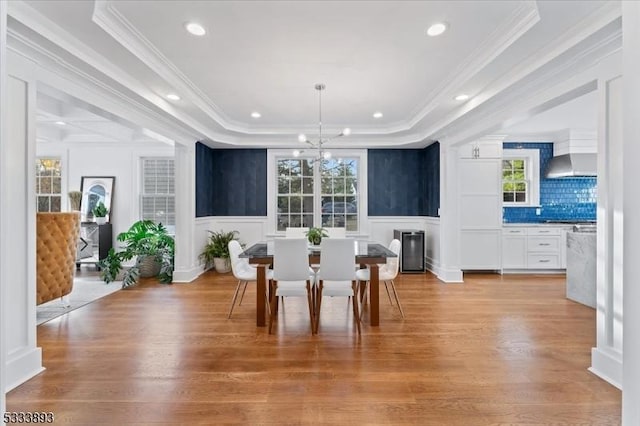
(260, 292)
(374, 300)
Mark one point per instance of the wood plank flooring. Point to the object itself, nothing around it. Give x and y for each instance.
(494, 350)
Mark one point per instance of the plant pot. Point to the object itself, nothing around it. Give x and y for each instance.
(149, 266)
(222, 265)
(101, 220)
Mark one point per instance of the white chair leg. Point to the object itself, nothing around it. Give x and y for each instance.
(233, 301)
(65, 301)
(365, 296)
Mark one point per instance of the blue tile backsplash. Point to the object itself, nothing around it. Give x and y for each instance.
(560, 199)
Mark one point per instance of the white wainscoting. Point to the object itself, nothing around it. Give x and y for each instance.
(252, 229)
(381, 229)
(432, 237)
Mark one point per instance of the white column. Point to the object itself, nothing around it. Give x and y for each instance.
(450, 271)
(3, 244)
(17, 168)
(631, 148)
(606, 357)
(186, 260)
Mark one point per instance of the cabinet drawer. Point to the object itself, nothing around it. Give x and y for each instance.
(545, 231)
(543, 261)
(543, 244)
(514, 231)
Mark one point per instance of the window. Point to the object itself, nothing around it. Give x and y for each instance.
(514, 182)
(48, 185)
(295, 193)
(340, 193)
(521, 177)
(158, 192)
(315, 193)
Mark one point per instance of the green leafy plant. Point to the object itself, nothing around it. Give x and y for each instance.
(100, 210)
(217, 246)
(144, 239)
(314, 235)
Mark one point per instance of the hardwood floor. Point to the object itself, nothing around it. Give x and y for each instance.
(495, 350)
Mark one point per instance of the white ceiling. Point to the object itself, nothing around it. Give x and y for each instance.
(266, 56)
(579, 114)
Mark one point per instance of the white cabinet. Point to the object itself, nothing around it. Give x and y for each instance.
(533, 248)
(480, 167)
(514, 249)
(482, 149)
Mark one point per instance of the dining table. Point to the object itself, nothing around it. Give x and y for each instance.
(367, 254)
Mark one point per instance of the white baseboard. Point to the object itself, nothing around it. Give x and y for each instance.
(187, 275)
(22, 367)
(432, 265)
(606, 366)
(450, 275)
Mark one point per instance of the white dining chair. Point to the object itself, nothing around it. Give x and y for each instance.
(296, 232)
(336, 232)
(387, 273)
(291, 275)
(336, 276)
(243, 272)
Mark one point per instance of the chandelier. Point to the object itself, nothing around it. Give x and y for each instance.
(321, 153)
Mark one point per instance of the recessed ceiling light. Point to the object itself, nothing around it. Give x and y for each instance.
(461, 97)
(173, 97)
(61, 123)
(437, 29)
(377, 114)
(195, 28)
(256, 114)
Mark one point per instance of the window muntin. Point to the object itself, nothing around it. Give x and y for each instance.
(321, 193)
(48, 185)
(339, 193)
(295, 200)
(158, 191)
(514, 181)
(521, 177)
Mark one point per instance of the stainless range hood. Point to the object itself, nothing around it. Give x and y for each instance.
(573, 165)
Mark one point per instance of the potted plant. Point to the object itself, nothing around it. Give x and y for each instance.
(74, 199)
(100, 213)
(216, 251)
(314, 235)
(153, 248)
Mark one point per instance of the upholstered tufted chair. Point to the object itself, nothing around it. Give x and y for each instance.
(56, 245)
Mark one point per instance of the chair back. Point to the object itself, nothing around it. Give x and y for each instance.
(56, 248)
(235, 249)
(290, 259)
(336, 232)
(296, 232)
(393, 263)
(337, 257)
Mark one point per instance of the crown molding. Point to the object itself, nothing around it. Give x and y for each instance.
(32, 49)
(107, 17)
(507, 33)
(534, 76)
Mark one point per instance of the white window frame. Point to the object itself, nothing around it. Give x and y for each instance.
(531, 159)
(142, 194)
(273, 155)
(63, 199)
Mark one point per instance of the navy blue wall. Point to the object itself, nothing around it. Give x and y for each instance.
(231, 182)
(431, 169)
(404, 182)
(560, 199)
